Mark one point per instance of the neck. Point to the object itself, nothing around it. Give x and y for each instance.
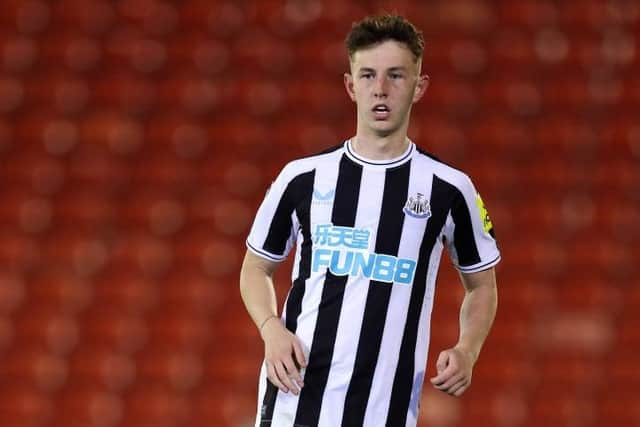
(379, 148)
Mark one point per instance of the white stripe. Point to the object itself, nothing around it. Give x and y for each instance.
(325, 179)
(424, 332)
(353, 305)
(412, 232)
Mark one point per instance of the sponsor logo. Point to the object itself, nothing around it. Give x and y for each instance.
(345, 251)
(417, 206)
(323, 198)
(484, 215)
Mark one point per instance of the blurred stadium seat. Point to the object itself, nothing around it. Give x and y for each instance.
(137, 138)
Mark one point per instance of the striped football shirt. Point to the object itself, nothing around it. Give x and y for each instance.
(369, 236)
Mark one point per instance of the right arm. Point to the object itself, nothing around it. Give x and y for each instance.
(283, 350)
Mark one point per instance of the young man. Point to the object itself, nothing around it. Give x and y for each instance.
(369, 219)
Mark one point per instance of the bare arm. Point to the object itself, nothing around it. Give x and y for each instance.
(477, 312)
(283, 350)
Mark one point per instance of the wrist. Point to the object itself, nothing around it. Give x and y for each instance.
(265, 322)
(470, 352)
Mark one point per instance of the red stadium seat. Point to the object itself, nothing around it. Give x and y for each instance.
(212, 254)
(512, 49)
(621, 408)
(125, 290)
(23, 406)
(179, 370)
(569, 371)
(532, 14)
(33, 171)
(234, 408)
(12, 292)
(257, 49)
(19, 54)
(593, 14)
(194, 96)
(101, 367)
(92, 17)
(75, 251)
(162, 215)
(114, 329)
(84, 210)
(58, 289)
(163, 171)
(156, 18)
(12, 94)
(622, 372)
(30, 213)
(77, 53)
(155, 406)
(175, 328)
(143, 253)
(223, 19)
(192, 292)
(39, 369)
(127, 94)
(552, 405)
(178, 136)
(18, 253)
(84, 407)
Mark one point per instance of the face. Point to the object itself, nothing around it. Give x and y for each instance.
(384, 82)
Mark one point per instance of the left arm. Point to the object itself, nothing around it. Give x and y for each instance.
(477, 312)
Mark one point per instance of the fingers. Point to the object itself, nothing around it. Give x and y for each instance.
(450, 382)
(293, 374)
(459, 388)
(284, 357)
(453, 377)
(273, 377)
(284, 373)
(443, 361)
(285, 378)
(442, 364)
(299, 354)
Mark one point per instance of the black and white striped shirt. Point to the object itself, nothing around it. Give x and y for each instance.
(369, 236)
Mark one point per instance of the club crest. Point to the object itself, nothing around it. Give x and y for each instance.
(417, 206)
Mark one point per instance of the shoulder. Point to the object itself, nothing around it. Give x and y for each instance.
(442, 170)
(309, 163)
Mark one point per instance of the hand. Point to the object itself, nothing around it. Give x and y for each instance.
(454, 371)
(283, 356)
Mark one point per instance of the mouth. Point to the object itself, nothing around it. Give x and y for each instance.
(381, 111)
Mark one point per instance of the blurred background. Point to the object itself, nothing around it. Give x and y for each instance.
(138, 137)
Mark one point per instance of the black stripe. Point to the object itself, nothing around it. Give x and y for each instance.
(324, 337)
(480, 267)
(396, 187)
(264, 253)
(280, 227)
(463, 235)
(433, 157)
(303, 211)
(442, 195)
(298, 195)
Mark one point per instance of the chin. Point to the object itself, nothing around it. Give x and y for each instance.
(384, 130)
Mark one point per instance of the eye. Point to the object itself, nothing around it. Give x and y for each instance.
(367, 76)
(395, 76)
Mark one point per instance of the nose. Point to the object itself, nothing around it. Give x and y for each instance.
(380, 89)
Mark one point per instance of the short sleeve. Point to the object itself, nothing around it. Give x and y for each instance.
(275, 226)
(468, 231)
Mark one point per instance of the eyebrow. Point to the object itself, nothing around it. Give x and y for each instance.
(368, 69)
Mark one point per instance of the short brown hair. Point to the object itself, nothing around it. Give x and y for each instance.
(379, 28)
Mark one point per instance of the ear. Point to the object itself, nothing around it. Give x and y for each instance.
(421, 87)
(348, 84)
